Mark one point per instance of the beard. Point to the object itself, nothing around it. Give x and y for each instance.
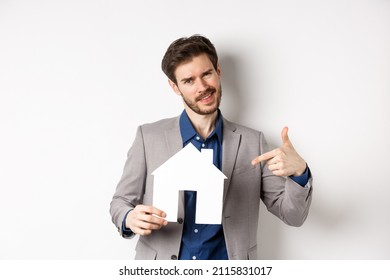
(210, 109)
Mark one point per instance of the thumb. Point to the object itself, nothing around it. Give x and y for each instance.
(285, 138)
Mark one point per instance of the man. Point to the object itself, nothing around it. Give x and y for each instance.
(280, 178)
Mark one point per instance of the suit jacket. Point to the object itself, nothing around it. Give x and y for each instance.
(246, 185)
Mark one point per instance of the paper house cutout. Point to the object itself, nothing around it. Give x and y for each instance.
(190, 170)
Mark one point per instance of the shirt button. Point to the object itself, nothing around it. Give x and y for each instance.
(203, 145)
(173, 257)
(180, 220)
(194, 257)
(196, 230)
(197, 138)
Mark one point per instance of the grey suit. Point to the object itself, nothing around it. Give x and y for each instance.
(246, 184)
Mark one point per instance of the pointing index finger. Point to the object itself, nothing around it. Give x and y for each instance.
(265, 156)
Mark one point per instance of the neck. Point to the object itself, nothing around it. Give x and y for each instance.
(203, 124)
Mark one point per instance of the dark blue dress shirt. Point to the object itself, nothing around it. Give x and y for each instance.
(200, 241)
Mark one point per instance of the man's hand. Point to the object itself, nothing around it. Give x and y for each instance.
(144, 219)
(283, 161)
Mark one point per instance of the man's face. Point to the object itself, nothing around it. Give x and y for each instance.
(199, 85)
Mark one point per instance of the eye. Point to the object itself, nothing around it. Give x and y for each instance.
(207, 74)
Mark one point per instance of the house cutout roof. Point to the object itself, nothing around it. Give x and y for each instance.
(190, 170)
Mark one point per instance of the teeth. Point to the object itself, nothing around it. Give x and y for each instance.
(207, 96)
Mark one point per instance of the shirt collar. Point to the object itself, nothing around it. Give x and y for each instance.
(187, 130)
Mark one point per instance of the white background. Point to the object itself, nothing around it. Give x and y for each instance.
(78, 77)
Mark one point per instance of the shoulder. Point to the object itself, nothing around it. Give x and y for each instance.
(251, 139)
(241, 129)
(160, 126)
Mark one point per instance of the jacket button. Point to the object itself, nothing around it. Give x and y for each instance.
(180, 220)
(173, 257)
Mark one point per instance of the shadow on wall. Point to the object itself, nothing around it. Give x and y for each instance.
(234, 106)
(233, 93)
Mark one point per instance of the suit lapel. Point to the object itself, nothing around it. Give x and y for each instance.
(230, 145)
(173, 140)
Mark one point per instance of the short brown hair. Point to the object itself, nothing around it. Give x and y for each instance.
(183, 50)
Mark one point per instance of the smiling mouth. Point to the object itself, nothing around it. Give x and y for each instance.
(206, 95)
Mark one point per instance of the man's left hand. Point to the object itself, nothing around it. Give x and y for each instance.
(283, 161)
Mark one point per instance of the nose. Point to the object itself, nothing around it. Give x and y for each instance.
(202, 85)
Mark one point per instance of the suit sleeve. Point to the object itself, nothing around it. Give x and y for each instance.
(131, 187)
(282, 196)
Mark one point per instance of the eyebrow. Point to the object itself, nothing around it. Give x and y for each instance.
(207, 71)
(203, 74)
(186, 79)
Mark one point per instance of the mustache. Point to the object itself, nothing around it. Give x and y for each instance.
(208, 91)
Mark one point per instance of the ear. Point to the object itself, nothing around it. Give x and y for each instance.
(219, 70)
(174, 87)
